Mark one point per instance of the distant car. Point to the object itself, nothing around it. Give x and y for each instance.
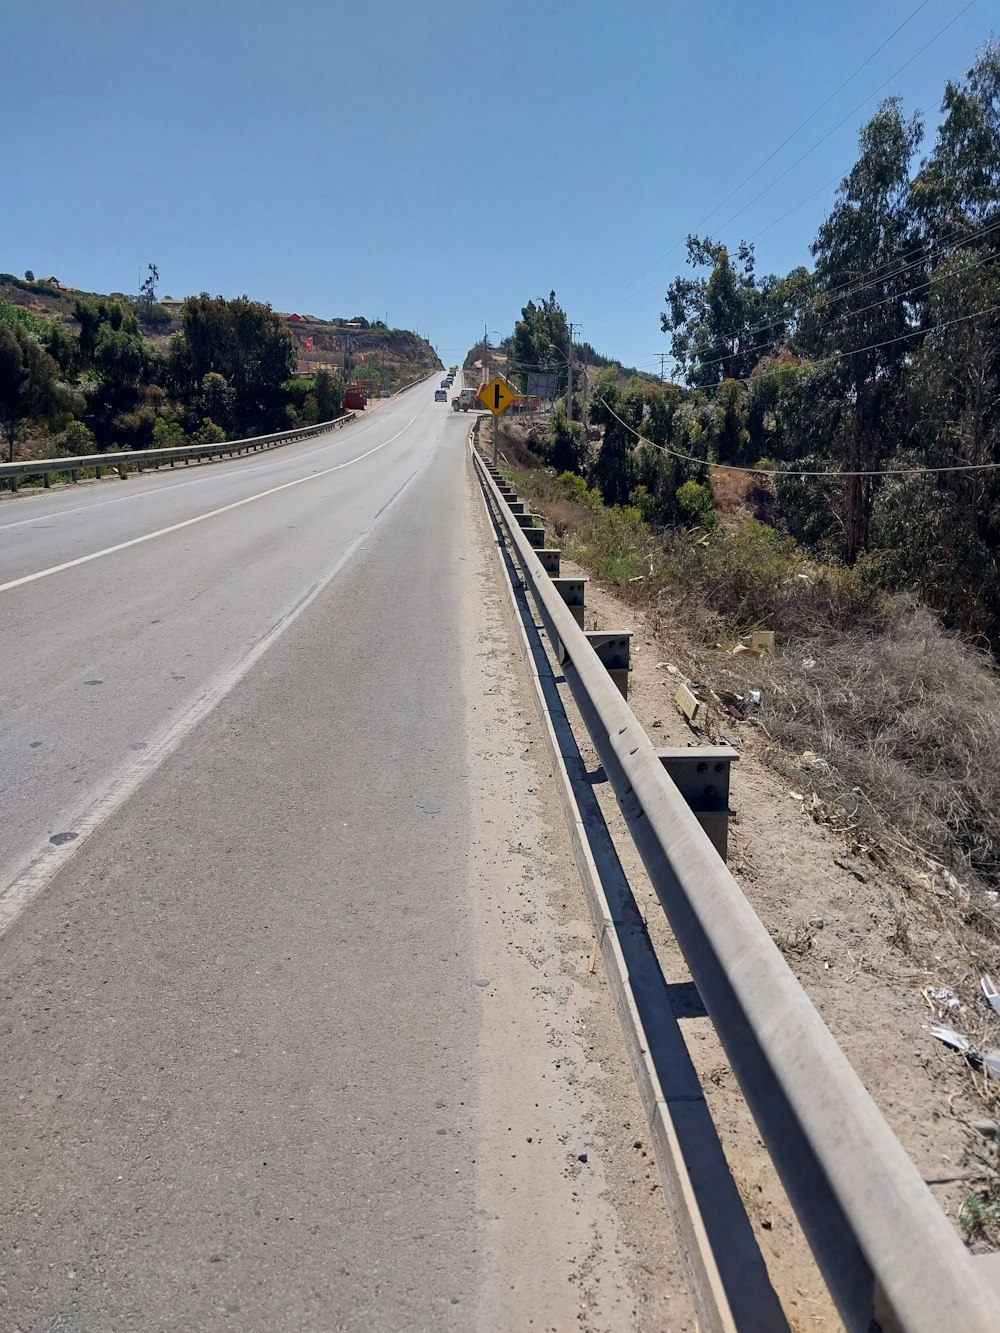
(444, 383)
(440, 396)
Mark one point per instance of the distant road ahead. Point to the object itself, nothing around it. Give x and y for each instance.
(295, 1030)
(104, 658)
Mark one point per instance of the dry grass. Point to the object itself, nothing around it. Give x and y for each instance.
(902, 717)
(907, 715)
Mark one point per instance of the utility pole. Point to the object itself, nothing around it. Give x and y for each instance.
(569, 372)
(663, 356)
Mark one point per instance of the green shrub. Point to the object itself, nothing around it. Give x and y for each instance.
(571, 486)
(209, 433)
(168, 433)
(694, 500)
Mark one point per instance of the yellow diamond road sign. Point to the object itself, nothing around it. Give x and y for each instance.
(496, 395)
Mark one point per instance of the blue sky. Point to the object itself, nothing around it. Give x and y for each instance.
(440, 163)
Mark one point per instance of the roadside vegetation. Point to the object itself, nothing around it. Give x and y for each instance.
(82, 374)
(729, 502)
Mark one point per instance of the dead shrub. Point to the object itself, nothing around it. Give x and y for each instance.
(910, 716)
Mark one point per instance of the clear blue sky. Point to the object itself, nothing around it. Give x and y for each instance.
(440, 163)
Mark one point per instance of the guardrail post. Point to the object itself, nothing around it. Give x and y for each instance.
(526, 520)
(97, 472)
(549, 557)
(701, 775)
(574, 594)
(516, 506)
(612, 649)
(535, 536)
(46, 482)
(74, 474)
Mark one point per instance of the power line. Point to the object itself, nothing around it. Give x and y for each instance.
(798, 160)
(794, 472)
(855, 286)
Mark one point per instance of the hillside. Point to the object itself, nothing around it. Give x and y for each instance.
(397, 353)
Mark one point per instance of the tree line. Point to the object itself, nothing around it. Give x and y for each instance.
(877, 367)
(228, 373)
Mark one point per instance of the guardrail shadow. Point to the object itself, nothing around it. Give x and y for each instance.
(752, 1300)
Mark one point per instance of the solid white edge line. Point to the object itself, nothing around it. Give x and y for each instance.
(266, 460)
(29, 879)
(199, 518)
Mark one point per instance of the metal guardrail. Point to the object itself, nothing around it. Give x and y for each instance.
(125, 459)
(890, 1257)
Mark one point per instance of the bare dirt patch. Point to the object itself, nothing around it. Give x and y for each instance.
(886, 938)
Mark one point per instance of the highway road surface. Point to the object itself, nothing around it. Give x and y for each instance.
(296, 1023)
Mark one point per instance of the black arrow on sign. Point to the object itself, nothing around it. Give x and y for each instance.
(496, 397)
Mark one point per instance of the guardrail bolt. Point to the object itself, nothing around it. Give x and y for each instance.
(701, 775)
(574, 594)
(612, 649)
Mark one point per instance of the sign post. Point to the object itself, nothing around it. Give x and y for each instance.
(496, 396)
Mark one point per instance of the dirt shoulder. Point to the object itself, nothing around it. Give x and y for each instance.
(885, 941)
(576, 1232)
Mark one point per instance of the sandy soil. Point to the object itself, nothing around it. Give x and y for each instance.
(838, 929)
(569, 1191)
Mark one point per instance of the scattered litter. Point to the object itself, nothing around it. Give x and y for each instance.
(817, 922)
(657, 723)
(730, 703)
(689, 704)
(951, 881)
(754, 697)
(763, 640)
(741, 649)
(954, 1039)
(808, 663)
(668, 666)
(796, 796)
(638, 578)
(943, 996)
(847, 864)
(991, 992)
(990, 1061)
(988, 1128)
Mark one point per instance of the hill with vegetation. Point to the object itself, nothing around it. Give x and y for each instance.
(83, 373)
(861, 395)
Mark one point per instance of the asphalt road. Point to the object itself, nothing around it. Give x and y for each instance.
(247, 837)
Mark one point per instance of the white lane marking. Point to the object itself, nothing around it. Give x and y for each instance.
(269, 460)
(199, 518)
(31, 877)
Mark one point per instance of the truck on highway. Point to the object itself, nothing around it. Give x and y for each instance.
(467, 399)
